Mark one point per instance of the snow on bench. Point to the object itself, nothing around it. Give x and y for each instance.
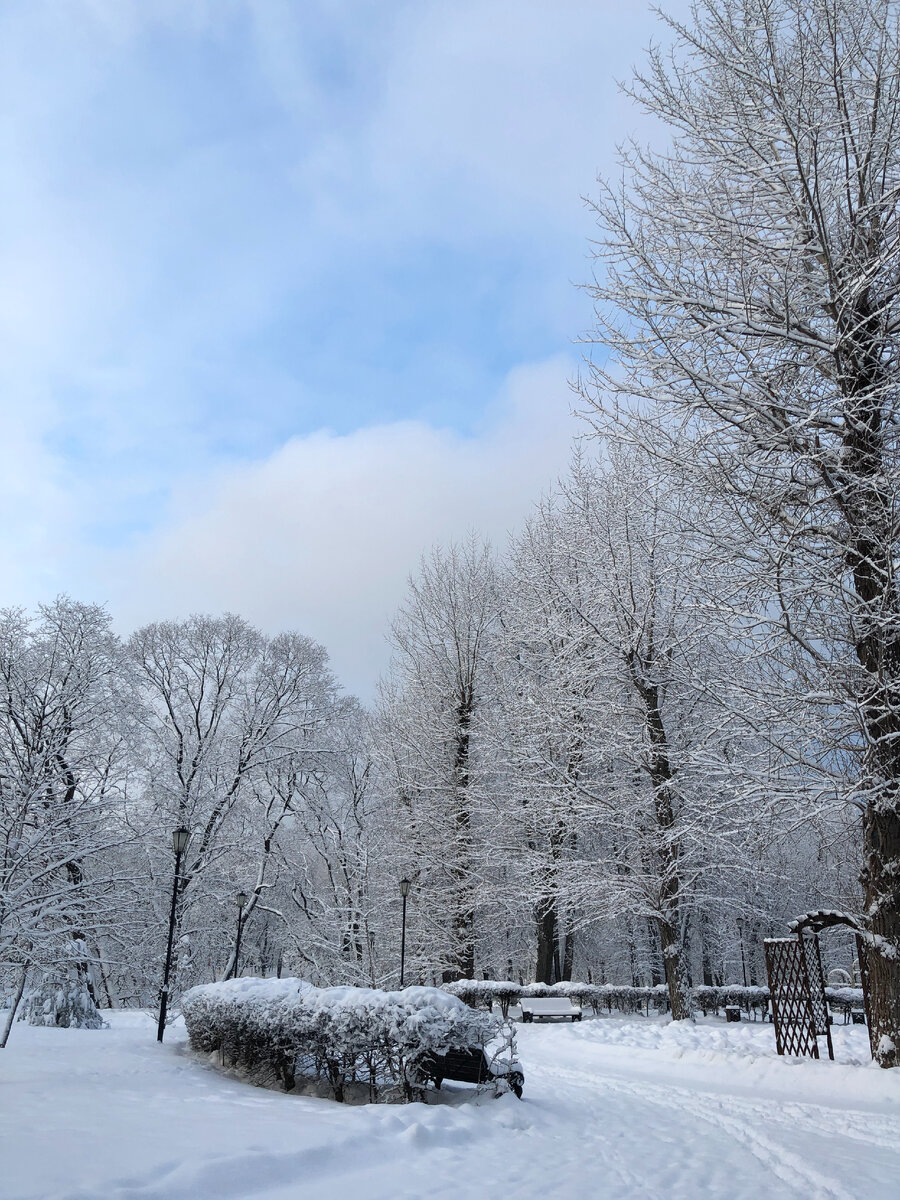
(549, 1008)
(472, 1066)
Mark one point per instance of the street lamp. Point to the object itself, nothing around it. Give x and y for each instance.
(404, 892)
(180, 838)
(240, 900)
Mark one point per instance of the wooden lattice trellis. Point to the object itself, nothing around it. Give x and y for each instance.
(789, 990)
(797, 983)
(797, 989)
(821, 1019)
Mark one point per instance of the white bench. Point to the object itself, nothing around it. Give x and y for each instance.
(549, 1008)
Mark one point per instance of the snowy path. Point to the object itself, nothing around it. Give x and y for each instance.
(614, 1109)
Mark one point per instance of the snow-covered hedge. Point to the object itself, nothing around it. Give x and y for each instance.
(286, 1029)
(621, 998)
(755, 1000)
(485, 992)
(711, 998)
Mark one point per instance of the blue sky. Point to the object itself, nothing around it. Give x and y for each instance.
(287, 291)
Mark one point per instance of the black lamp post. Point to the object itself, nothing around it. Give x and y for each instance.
(240, 900)
(404, 892)
(180, 838)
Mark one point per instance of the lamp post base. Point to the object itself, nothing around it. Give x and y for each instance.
(163, 1005)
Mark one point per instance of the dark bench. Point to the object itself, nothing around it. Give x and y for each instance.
(850, 1009)
(469, 1066)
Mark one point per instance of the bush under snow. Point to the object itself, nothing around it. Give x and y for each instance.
(627, 1000)
(286, 1029)
(62, 999)
(597, 996)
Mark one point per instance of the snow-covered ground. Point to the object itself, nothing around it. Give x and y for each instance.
(613, 1108)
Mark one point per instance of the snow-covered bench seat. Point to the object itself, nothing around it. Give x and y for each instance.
(472, 1066)
(549, 1008)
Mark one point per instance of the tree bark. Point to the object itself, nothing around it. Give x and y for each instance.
(882, 843)
(672, 963)
(568, 956)
(859, 493)
(464, 915)
(17, 1000)
(546, 939)
(665, 840)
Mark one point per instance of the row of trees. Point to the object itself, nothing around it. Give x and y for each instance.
(751, 299)
(580, 767)
(591, 771)
(107, 746)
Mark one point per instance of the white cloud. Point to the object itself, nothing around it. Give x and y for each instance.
(322, 535)
(485, 117)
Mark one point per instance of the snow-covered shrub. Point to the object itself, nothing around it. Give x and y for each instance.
(850, 996)
(61, 999)
(285, 1028)
(845, 999)
(622, 998)
(485, 992)
(712, 998)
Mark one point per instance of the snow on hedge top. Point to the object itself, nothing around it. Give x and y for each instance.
(284, 991)
(257, 990)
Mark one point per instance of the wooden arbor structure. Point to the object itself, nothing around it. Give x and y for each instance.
(797, 982)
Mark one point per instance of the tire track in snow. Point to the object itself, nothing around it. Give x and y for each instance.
(804, 1117)
(787, 1166)
(650, 1156)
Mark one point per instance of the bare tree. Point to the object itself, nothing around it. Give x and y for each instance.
(753, 291)
(60, 779)
(339, 861)
(540, 729)
(429, 708)
(634, 690)
(222, 705)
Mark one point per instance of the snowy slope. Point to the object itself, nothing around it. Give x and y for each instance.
(614, 1108)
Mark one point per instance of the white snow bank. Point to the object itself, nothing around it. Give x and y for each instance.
(619, 1108)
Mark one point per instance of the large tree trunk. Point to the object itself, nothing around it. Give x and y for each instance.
(76, 880)
(546, 939)
(867, 506)
(882, 842)
(463, 921)
(665, 840)
(568, 956)
(672, 961)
